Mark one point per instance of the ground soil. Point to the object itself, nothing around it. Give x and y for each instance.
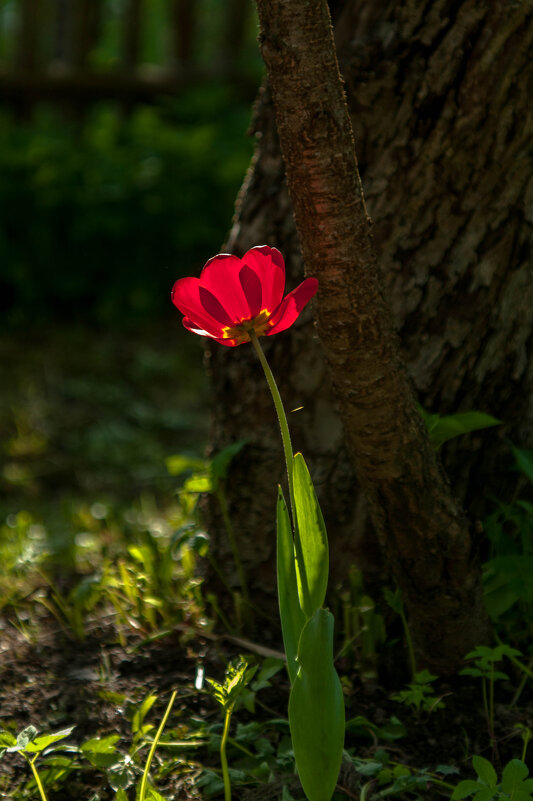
(55, 682)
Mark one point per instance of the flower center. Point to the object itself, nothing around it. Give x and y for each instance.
(260, 323)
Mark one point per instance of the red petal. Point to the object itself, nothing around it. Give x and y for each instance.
(230, 343)
(186, 298)
(267, 263)
(220, 277)
(190, 326)
(214, 307)
(251, 286)
(291, 306)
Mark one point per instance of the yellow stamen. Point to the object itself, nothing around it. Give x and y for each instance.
(260, 324)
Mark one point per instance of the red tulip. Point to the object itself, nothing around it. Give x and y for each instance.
(235, 296)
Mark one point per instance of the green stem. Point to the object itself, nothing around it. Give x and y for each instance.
(240, 747)
(289, 458)
(491, 697)
(486, 703)
(154, 746)
(31, 763)
(223, 758)
(280, 411)
(527, 737)
(409, 642)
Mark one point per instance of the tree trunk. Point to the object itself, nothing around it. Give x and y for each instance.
(439, 104)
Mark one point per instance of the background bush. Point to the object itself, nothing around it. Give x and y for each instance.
(98, 218)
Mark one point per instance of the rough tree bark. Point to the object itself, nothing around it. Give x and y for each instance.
(439, 101)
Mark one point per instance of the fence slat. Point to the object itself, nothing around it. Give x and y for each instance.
(131, 35)
(28, 44)
(182, 33)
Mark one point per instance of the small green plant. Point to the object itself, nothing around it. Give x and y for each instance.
(387, 778)
(514, 784)
(30, 745)
(484, 661)
(363, 627)
(144, 787)
(209, 476)
(269, 668)
(420, 694)
(507, 573)
(442, 428)
(22, 548)
(395, 601)
(360, 726)
(154, 585)
(236, 678)
(71, 609)
(125, 769)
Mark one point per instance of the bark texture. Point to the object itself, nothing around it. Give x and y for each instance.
(438, 94)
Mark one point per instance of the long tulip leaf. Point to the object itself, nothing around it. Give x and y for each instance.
(316, 710)
(292, 617)
(311, 530)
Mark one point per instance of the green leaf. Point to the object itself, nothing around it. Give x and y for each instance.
(316, 710)
(291, 614)
(446, 770)
(487, 794)
(270, 666)
(101, 752)
(236, 678)
(485, 771)
(394, 599)
(7, 740)
(464, 789)
(179, 463)
(286, 795)
(441, 429)
(523, 794)
(221, 462)
(121, 775)
(313, 539)
(141, 712)
(198, 483)
(524, 461)
(40, 743)
(431, 420)
(513, 776)
(393, 730)
(153, 795)
(25, 737)
(56, 761)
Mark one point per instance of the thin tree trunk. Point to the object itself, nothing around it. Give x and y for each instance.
(416, 517)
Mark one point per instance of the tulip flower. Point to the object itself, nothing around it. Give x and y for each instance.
(234, 297)
(236, 301)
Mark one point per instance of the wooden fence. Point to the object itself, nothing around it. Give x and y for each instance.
(49, 49)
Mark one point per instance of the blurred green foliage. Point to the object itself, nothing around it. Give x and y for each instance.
(98, 218)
